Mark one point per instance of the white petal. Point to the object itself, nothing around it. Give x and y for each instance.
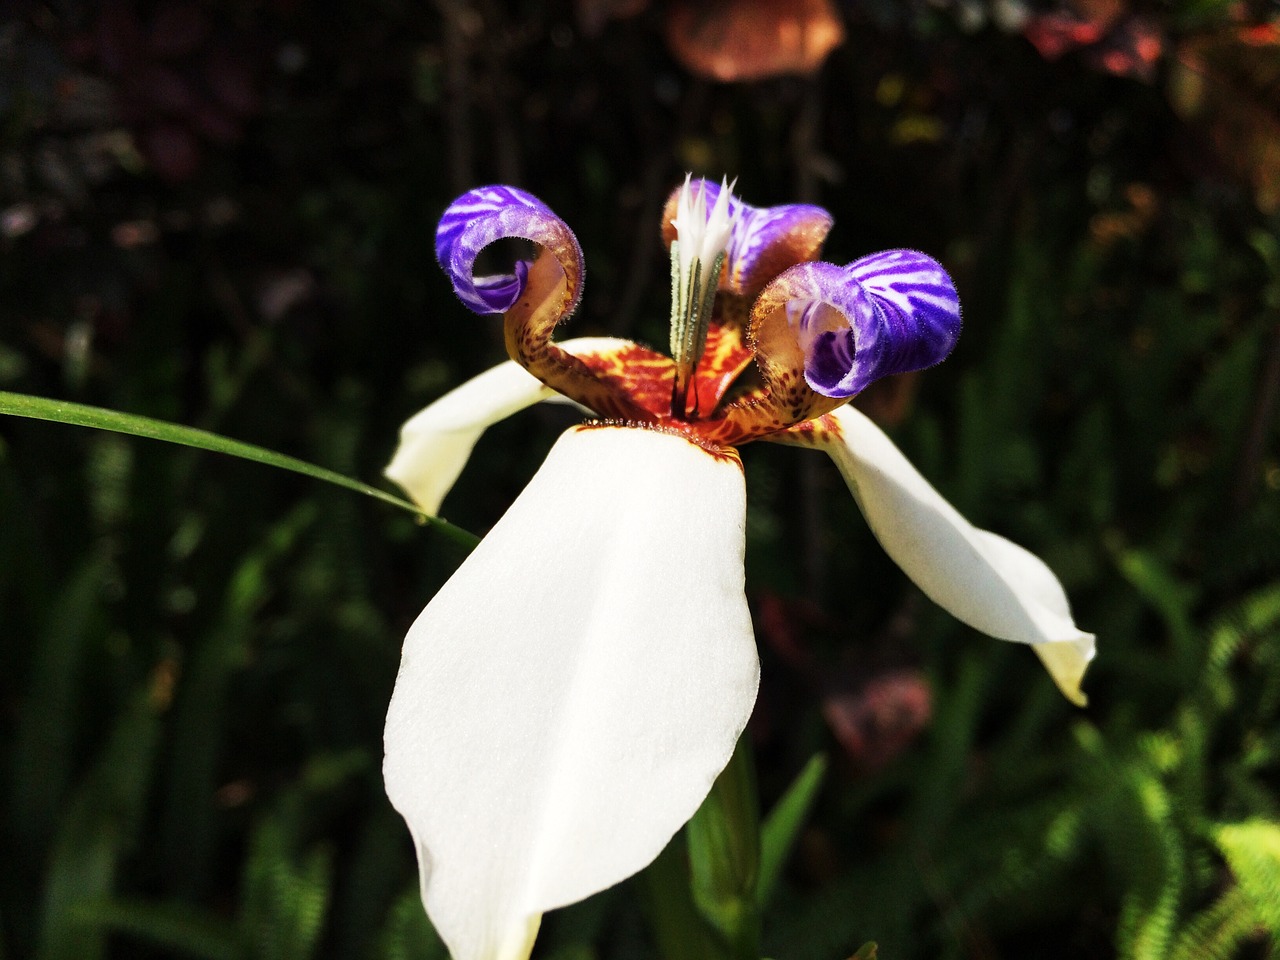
(567, 699)
(436, 442)
(983, 579)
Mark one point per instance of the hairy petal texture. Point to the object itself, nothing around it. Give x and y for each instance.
(888, 313)
(986, 581)
(436, 442)
(567, 699)
(763, 242)
(485, 215)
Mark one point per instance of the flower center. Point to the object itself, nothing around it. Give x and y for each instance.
(697, 257)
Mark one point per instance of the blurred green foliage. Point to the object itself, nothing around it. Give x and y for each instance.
(197, 652)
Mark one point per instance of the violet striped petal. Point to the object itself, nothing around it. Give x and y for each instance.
(487, 214)
(764, 240)
(887, 313)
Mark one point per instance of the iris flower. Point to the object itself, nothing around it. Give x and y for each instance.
(568, 697)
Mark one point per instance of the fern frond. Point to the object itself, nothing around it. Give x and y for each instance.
(1218, 931)
(1252, 851)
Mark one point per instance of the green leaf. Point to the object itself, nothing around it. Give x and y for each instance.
(371, 884)
(44, 744)
(782, 825)
(173, 927)
(60, 411)
(199, 717)
(408, 934)
(866, 952)
(288, 886)
(952, 736)
(572, 951)
(1172, 599)
(286, 897)
(678, 928)
(97, 828)
(724, 856)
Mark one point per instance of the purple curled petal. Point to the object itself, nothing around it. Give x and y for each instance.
(921, 301)
(766, 240)
(482, 216)
(888, 313)
(500, 291)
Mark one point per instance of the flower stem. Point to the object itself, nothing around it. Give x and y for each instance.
(724, 857)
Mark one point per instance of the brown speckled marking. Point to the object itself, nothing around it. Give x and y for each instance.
(785, 397)
(549, 293)
(672, 428)
(642, 374)
(811, 433)
(724, 358)
(633, 384)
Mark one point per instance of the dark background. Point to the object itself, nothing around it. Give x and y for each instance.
(223, 214)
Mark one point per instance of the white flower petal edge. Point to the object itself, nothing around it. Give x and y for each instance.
(436, 442)
(567, 699)
(986, 581)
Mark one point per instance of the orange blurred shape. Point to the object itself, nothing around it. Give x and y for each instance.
(1056, 34)
(878, 720)
(1111, 226)
(1104, 12)
(731, 40)
(1226, 83)
(594, 14)
(1261, 34)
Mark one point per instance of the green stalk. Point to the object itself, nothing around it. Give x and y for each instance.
(78, 414)
(724, 857)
